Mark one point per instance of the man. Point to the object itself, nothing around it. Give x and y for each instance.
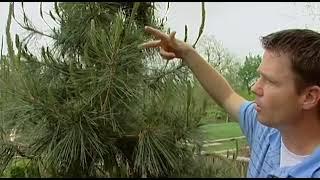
(282, 125)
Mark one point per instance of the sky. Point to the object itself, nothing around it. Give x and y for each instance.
(238, 25)
(32, 10)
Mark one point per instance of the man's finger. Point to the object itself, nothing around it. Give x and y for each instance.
(172, 35)
(155, 32)
(167, 55)
(151, 44)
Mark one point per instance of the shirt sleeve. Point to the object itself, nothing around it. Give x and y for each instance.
(248, 120)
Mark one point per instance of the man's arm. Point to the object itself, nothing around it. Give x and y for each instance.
(213, 82)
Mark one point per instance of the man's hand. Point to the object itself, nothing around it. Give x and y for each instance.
(213, 82)
(170, 47)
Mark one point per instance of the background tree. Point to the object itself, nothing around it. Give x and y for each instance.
(226, 64)
(248, 71)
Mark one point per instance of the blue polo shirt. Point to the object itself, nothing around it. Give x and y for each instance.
(265, 145)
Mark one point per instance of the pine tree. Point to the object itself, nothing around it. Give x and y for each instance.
(94, 104)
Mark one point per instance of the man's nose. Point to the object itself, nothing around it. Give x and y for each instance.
(256, 89)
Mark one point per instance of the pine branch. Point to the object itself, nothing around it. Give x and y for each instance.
(202, 24)
(27, 26)
(9, 40)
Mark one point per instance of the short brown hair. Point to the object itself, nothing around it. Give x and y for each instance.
(302, 46)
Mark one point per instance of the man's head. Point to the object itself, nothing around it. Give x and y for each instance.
(290, 76)
(302, 47)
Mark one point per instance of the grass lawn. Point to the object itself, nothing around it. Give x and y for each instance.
(221, 130)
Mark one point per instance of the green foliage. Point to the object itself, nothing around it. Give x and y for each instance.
(21, 167)
(17, 172)
(246, 94)
(248, 72)
(80, 15)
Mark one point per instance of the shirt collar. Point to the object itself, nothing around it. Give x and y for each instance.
(308, 167)
(274, 156)
(303, 170)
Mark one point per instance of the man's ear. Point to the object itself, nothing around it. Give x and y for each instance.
(311, 97)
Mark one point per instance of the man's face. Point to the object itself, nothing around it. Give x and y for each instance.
(276, 98)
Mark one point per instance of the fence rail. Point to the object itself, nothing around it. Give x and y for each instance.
(225, 139)
(234, 151)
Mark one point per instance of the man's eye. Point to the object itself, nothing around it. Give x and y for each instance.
(266, 80)
(269, 81)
